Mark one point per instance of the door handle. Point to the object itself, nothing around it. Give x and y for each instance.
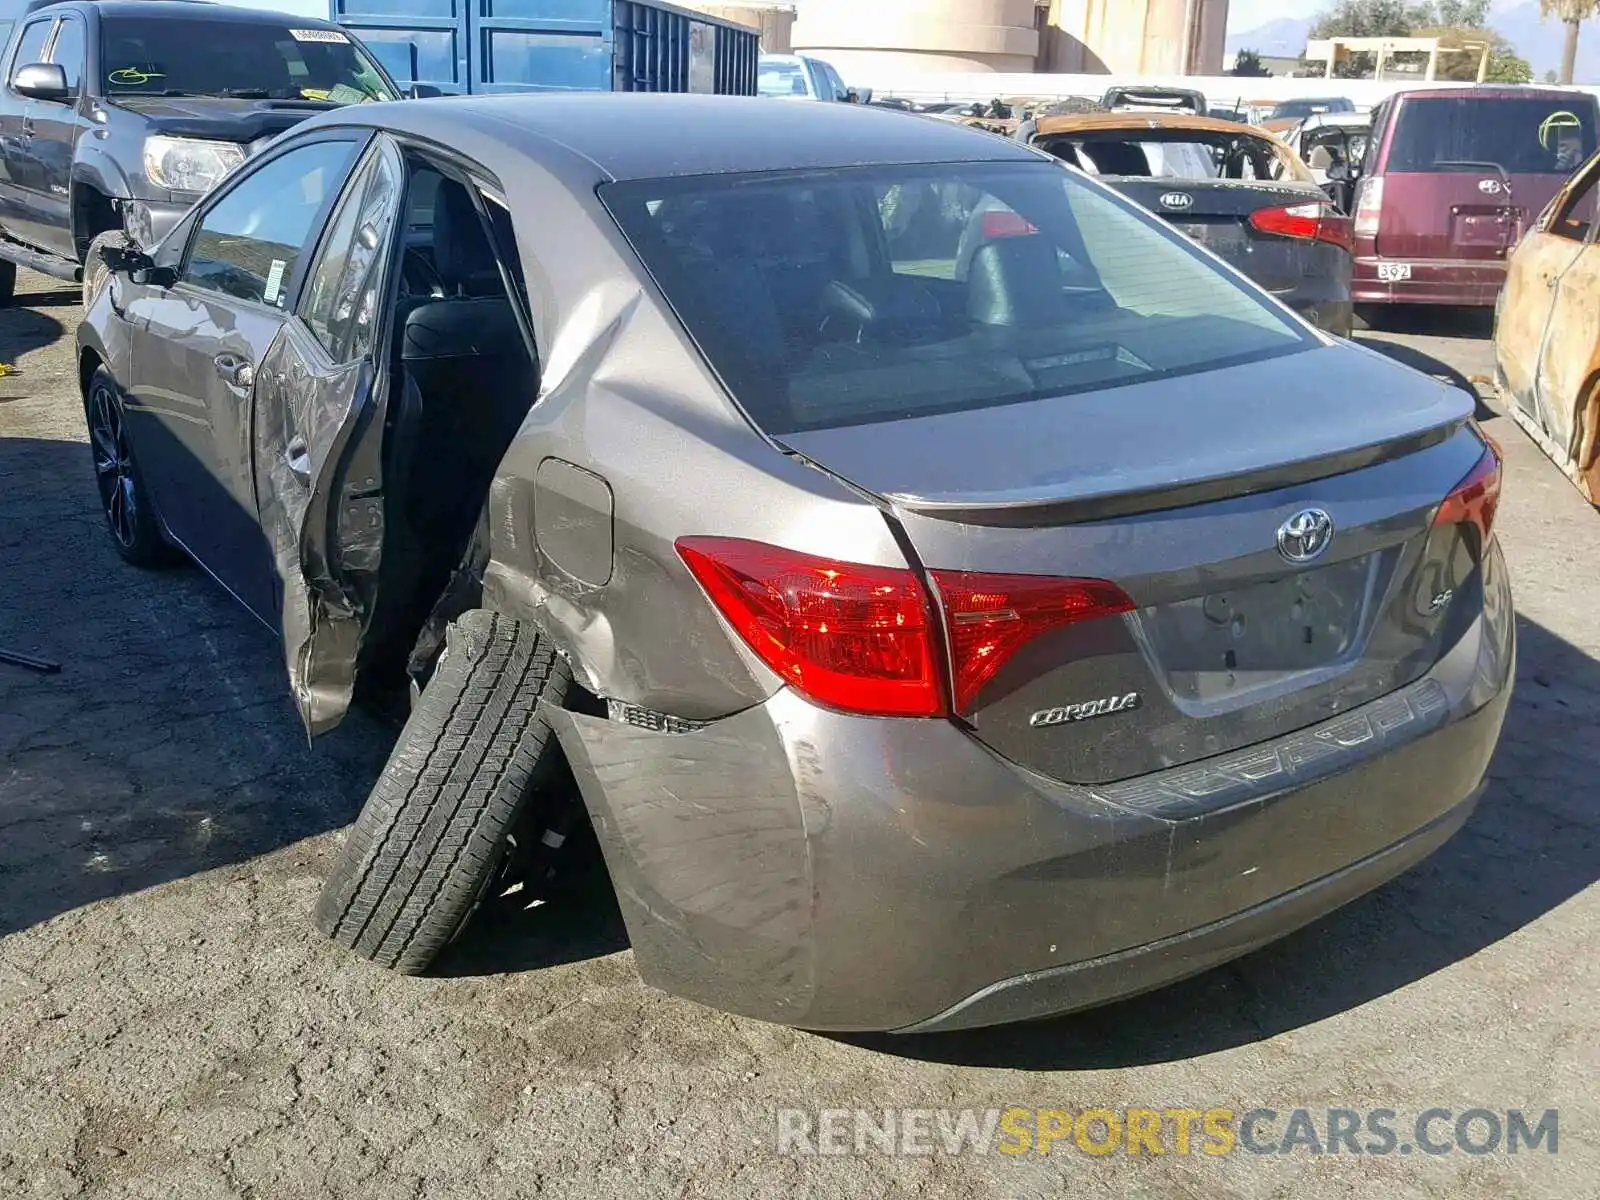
(298, 457)
(235, 371)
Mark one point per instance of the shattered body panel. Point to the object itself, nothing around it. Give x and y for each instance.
(1547, 333)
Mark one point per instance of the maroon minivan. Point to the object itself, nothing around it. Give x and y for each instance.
(1452, 178)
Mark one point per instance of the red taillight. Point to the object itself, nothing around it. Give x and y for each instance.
(990, 617)
(1475, 499)
(1002, 223)
(851, 637)
(1315, 221)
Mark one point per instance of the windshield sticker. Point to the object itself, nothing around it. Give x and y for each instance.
(269, 295)
(319, 35)
(133, 76)
(345, 94)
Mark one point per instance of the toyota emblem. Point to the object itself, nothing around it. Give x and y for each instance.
(1177, 200)
(1305, 536)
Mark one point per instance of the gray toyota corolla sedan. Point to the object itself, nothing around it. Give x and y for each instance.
(957, 597)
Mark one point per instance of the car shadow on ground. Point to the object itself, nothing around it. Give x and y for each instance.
(1533, 844)
(26, 330)
(167, 744)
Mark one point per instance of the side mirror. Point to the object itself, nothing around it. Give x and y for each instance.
(424, 91)
(138, 266)
(41, 81)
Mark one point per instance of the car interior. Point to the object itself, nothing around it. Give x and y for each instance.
(463, 378)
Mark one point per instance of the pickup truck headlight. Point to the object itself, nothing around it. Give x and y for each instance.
(183, 164)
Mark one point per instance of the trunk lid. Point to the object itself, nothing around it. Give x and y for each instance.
(1217, 216)
(1476, 214)
(1152, 487)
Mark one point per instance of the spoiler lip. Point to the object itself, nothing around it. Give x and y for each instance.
(1050, 505)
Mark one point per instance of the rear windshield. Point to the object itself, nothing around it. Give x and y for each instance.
(877, 293)
(780, 79)
(1310, 108)
(1196, 156)
(163, 56)
(1532, 136)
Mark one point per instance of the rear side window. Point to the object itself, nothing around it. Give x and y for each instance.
(877, 293)
(1522, 136)
(781, 79)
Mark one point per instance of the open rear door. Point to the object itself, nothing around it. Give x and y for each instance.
(318, 431)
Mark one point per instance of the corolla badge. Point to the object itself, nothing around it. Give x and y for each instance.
(1067, 713)
(1305, 536)
(1181, 201)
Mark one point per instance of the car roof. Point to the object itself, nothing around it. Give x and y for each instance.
(1493, 93)
(1134, 122)
(192, 9)
(651, 135)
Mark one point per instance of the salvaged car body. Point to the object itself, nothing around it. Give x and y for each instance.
(1245, 196)
(1547, 332)
(983, 618)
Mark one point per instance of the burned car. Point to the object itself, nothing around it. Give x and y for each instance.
(1241, 193)
(1546, 343)
(956, 597)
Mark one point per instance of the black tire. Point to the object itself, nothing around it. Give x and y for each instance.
(8, 281)
(94, 263)
(124, 499)
(429, 844)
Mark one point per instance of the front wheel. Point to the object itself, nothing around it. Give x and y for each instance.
(428, 846)
(123, 497)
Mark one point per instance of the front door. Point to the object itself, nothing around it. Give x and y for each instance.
(320, 400)
(21, 175)
(1533, 290)
(1572, 335)
(198, 352)
(57, 125)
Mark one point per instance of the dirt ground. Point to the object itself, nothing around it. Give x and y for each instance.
(172, 1026)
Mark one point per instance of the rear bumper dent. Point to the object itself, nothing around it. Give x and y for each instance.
(846, 873)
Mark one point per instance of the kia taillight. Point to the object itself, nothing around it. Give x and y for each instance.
(1475, 499)
(1002, 223)
(851, 637)
(865, 639)
(991, 617)
(1315, 222)
(1369, 206)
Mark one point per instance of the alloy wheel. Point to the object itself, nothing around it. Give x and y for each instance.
(113, 465)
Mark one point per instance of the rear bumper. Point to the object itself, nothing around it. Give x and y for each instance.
(1444, 281)
(836, 872)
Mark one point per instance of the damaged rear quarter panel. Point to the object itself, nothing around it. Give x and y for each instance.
(625, 396)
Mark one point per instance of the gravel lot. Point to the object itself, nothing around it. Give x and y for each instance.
(171, 1025)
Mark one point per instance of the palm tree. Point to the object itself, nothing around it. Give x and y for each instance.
(1573, 13)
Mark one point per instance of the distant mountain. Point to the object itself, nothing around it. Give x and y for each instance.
(1284, 37)
(1539, 41)
(1536, 39)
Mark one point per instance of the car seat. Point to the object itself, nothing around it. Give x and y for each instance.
(1016, 281)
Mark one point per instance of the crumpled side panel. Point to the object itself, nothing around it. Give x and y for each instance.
(705, 842)
(303, 423)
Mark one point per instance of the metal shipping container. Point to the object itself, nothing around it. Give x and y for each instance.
(554, 45)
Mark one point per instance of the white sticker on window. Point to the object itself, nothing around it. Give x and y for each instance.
(318, 35)
(274, 281)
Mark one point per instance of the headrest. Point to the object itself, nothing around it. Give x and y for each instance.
(461, 251)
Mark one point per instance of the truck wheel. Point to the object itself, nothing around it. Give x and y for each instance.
(429, 844)
(124, 499)
(8, 281)
(94, 263)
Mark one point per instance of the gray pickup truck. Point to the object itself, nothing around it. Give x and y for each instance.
(116, 116)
